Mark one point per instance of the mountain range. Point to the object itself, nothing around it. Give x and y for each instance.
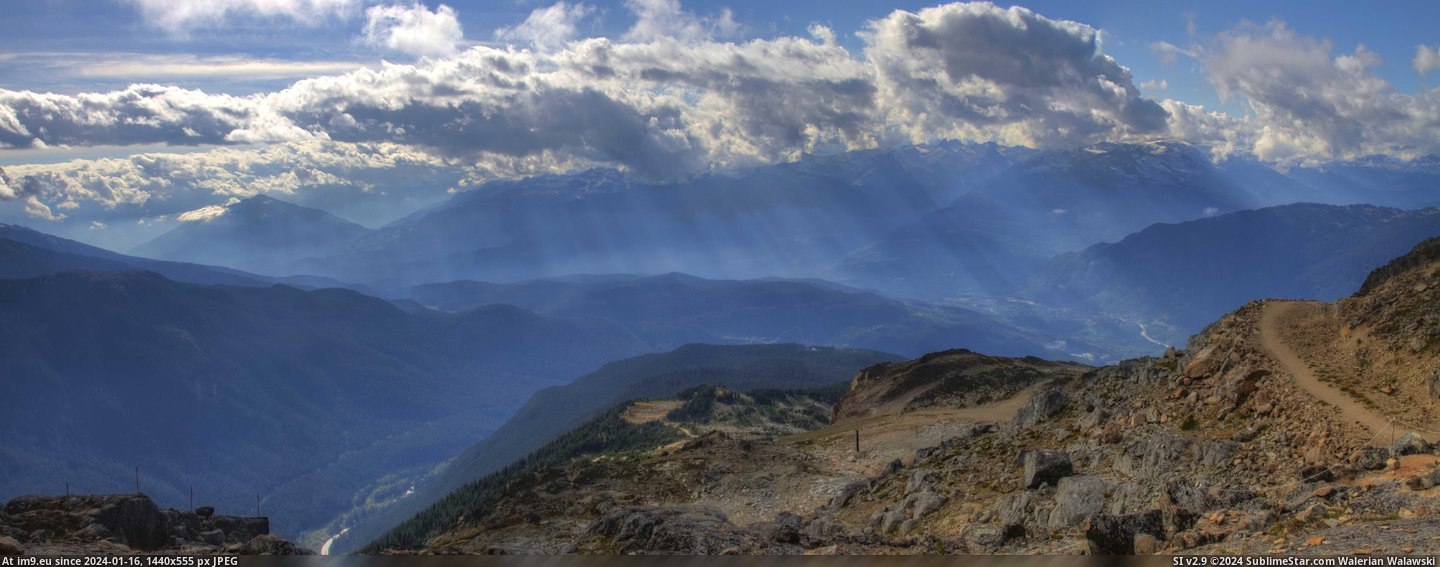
(260, 234)
(1181, 276)
(356, 396)
(978, 217)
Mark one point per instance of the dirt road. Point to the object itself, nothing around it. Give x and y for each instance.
(1279, 315)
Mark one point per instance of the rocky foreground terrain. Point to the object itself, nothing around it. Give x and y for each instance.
(130, 524)
(1284, 427)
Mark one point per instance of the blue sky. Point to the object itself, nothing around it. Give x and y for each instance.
(143, 111)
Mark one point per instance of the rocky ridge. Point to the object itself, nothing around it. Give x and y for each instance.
(130, 524)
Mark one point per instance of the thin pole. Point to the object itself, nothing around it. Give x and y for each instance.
(137, 480)
(67, 489)
(857, 440)
(257, 504)
(192, 498)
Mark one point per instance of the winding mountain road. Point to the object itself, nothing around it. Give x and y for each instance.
(1279, 315)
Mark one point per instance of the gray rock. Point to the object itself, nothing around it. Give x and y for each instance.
(1424, 481)
(1372, 458)
(1044, 466)
(1152, 456)
(891, 521)
(983, 539)
(919, 479)
(239, 529)
(205, 511)
(1213, 453)
(1108, 534)
(1410, 444)
(1044, 405)
(8, 546)
(925, 502)
(1012, 511)
(212, 537)
(1077, 498)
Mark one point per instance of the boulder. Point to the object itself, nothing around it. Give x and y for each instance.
(1043, 405)
(8, 546)
(240, 529)
(1410, 444)
(1432, 386)
(1204, 363)
(1213, 453)
(1152, 456)
(925, 502)
(205, 511)
(1109, 534)
(785, 529)
(1372, 458)
(1044, 466)
(212, 537)
(1077, 498)
(1424, 481)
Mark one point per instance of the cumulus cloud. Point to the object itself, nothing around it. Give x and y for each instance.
(1310, 105)
(657, 20)
(180, 16)
(548, 28)
(413, 29)
(141, 114)
(976, 71)
(671, 100)
(668, 101)
(158, 186)
(1427, 59)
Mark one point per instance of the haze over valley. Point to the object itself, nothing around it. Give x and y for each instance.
(413, 277)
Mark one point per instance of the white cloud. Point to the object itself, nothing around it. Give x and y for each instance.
(7, 192)
(180, 16)
(203, 214)
(1427, 59)
(1312, 106)
(1168, 53)
(1153, 85)
(976, 71)
(671, 101)
(155, 185)
(548, 28)
(137, 115)
(657, 20)
(147, 66)
(658, 106)
(413, 29)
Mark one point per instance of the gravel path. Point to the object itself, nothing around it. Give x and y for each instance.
(1279, 315)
